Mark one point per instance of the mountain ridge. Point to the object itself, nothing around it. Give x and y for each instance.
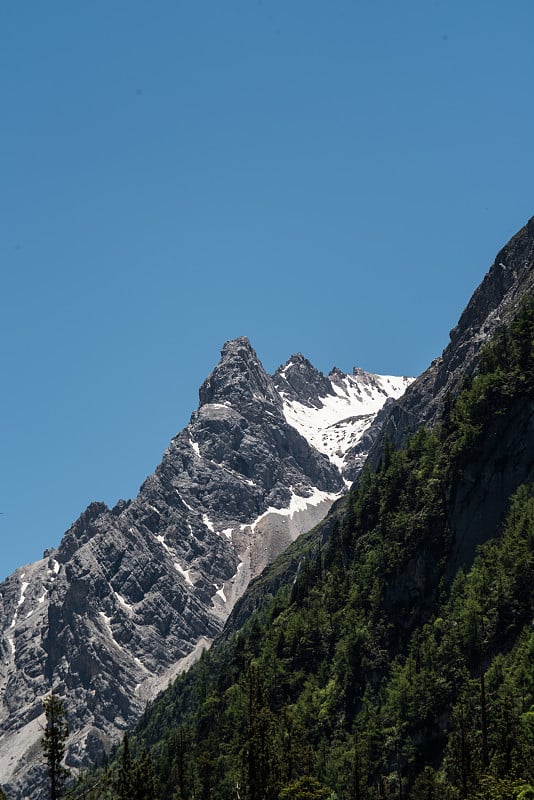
(108, 617)
(494, 301)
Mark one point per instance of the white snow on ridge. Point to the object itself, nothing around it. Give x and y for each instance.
(123, 602)
(9, 634)
(208, 523)
(220, 592)
(184, 573)
(22, 597)
(186, 504)
(161, 540)
(296, 505)
(343, 418)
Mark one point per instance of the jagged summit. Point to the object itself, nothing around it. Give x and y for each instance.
(238, 375)
(299, 380)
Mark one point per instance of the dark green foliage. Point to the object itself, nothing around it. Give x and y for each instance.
(305, 788)
(53, 743)
(135, 776)
(261, 750)
(379, 672)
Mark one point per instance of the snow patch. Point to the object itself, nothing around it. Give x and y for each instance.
(220, 592)
(22, 598)
(208, 523)
(342, 418)
(124, 602)
(186, 504)
(107, 622)
(297, 504)
(23, 588)
(184, 573)
(161, 540)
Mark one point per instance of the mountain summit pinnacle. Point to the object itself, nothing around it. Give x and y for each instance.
(238, 375)
(298, 379)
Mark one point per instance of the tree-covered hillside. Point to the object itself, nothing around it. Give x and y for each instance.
(398, 662)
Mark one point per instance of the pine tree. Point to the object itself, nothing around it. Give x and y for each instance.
(260, 751)
(53, 743)
(143, 778)
(124, 788)
(180, 763)
(136, 775)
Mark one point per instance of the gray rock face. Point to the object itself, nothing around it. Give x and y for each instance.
(112, 614)
(300, 381)
(494, 302)
(481, 499)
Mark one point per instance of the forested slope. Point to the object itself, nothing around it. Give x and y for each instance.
(398, 662)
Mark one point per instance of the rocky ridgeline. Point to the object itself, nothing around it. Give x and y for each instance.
(134, 592)
(495, 301)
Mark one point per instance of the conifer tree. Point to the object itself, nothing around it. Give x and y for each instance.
(180, 745)
(260, 754)
(143, 778)
(124, 788)
(53, 743)
(136, 775)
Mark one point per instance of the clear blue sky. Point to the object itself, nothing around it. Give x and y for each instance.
(330, 177)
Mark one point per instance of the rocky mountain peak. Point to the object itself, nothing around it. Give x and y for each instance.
(82, 530)
(239, 376)
(299, 380)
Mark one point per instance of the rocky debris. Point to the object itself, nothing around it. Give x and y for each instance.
(106, 619)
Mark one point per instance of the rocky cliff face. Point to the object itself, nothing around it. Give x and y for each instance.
(133, 592)
(494, 302)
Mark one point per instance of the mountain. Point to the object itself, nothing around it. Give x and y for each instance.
(134, 593)
(388, 653)
(494, 303)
